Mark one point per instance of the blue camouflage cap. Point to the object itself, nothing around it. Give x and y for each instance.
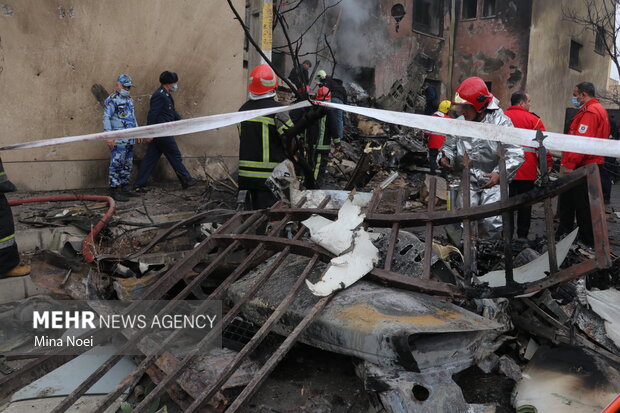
(125, 80)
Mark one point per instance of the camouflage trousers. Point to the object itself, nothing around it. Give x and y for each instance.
(121, 162)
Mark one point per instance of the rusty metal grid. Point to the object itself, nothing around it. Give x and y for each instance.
(239, 232)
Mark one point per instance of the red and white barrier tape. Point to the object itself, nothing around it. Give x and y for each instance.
(180, 127)
(515, 136)
(523, 137)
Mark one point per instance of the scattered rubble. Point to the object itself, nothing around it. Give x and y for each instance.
(381, 277)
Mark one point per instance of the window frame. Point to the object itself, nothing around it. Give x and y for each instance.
(490, 16)
(599, 34)
(463, 8)
(576, 67)
(425, 29)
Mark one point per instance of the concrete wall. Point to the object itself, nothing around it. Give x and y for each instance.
(52, 53)
(550, 80)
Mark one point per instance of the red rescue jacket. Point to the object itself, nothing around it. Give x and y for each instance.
(591, 120)
(436, 141)
(523, 119)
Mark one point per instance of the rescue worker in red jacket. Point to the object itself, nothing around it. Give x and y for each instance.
(591, 120)
(435, 141)
(519, 113)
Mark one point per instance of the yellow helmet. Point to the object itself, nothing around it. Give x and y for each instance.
(444, 106)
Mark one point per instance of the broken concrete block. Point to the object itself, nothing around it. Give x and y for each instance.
(509, 368)
(488, 364)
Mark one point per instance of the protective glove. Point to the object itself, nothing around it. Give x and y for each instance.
(315, 113)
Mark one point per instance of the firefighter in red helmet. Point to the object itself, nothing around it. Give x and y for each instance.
(477, 104)
(319, 137)
(261, 146)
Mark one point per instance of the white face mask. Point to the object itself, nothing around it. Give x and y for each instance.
(576, 102)
(124, 93)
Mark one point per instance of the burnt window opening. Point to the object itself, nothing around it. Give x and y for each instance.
(363, 76)
(489, 86)
(488, 8)
(599, 41)
(279, 61)
(574, 61)
(428, 17)
(469, 9)
(398, 12)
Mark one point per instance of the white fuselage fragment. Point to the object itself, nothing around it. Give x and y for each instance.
(346, 269)
(533, 270)
(356, 254)
(336, 236)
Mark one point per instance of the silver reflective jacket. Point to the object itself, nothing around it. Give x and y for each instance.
(483, 153)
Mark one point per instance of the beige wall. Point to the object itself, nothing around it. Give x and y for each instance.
(52, 52)
(550, 81)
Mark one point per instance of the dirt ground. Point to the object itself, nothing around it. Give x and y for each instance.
(160, 200)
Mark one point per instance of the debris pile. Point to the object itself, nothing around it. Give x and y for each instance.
(426, 318)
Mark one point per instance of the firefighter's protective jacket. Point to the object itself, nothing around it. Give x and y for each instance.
(260, 144)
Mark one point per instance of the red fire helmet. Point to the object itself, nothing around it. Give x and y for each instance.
(473, 91)
(262, 80)
(323, 93)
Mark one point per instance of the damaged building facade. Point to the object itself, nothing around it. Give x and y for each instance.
(379, 298)
(391, 47)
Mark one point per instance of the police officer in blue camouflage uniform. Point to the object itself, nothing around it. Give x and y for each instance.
(118, 113)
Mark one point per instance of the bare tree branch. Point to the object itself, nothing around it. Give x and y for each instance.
(294, 54)
(333, 56)
(325, 9)
(599, 17)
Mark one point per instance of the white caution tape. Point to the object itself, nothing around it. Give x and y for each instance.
(515, 136)
(180, 127)
(445, 126)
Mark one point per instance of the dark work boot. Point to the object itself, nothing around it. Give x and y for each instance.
(187, 182)
(117, 194)
(128, 192)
